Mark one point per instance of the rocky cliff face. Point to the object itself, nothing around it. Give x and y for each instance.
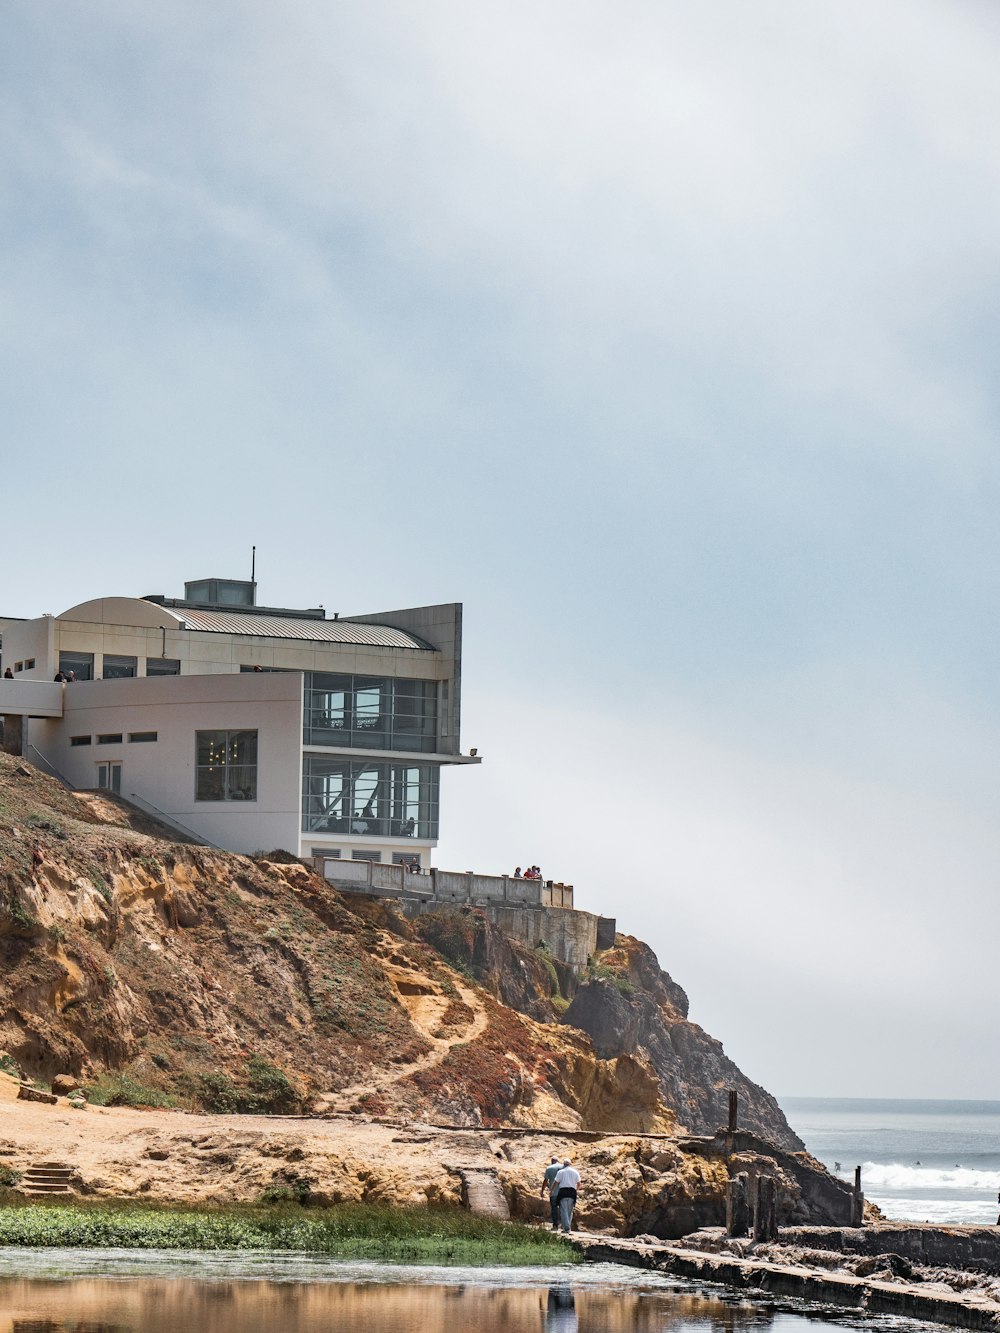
(167, 974)
(634, 1007)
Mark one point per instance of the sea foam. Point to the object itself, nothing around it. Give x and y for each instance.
(897, 1176)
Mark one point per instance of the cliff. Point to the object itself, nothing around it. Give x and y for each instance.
(166, 974)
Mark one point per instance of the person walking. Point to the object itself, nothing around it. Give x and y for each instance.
(549, 1187)
(567, 1182)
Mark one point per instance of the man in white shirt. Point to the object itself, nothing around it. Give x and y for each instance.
(566, 1183)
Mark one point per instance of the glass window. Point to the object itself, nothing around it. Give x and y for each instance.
(369, 713)
(110, 738)
(369, 797)
(162, 666)
(79, 740)
(81, 664)
(142, 737)
(118, 668)
(226, 766)
(29, 663)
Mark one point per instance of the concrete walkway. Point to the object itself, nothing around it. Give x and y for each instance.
(916, 1301)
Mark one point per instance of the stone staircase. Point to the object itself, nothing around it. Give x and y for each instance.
(481, 1192)
(46, 1178)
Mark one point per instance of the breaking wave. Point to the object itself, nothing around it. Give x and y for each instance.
(895, 1176)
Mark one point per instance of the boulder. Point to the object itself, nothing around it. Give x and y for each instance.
(64, 1084)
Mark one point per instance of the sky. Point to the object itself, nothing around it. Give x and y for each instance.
(661, 335)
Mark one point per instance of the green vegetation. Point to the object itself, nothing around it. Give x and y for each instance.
(8, 1065)
(44, 824)
(8, 1176)
(116, 1089)
(601, 972)
(348, 1231)
(267, 1091)
(101, 885)
(24, 923)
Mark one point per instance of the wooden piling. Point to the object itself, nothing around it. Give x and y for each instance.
(738, 1205)
(765, 1222)
(857, 1201)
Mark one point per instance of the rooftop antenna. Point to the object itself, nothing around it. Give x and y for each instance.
(253, 564)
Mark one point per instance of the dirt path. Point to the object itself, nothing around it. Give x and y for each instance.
(427, 1005)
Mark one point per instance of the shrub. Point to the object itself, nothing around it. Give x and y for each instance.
(8, 1176)
(267, 1090)
(118, 1089)
(101, 885)
(8, 1065)
(280, 857)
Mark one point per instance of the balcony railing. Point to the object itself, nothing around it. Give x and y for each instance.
(447, 886)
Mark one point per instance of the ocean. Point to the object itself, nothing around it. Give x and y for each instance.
(921, 1161)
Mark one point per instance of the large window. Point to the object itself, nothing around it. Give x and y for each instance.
(369, 798)
(162, 666)
(81, 664)
(118, 668)
(226, 763)
(369, 712)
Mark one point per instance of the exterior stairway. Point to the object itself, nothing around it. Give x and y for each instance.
(47, 1178)
(481, 1192)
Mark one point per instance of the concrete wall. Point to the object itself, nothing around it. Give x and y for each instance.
(571, 936)
(974, 1247)
(162, 773)
(27, 639)
(31, 697)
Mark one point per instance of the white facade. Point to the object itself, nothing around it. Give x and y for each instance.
(272, 730)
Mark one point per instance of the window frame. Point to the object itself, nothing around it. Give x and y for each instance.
(228, 763)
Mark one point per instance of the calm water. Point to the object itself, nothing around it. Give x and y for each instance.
(53, 1291)
(921, 1161)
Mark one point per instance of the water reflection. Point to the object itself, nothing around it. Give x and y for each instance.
(567, 1304)
(180, 1305)
(560, 1311)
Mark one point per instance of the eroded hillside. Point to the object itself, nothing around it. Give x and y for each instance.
(163, 973)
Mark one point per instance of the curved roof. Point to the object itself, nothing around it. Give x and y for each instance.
(291, 627)
(123, 611)
(137, 611)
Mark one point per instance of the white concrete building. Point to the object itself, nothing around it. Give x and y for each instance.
(254, 727)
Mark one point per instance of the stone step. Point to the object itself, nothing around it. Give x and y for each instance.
(482, 1193)
(47, 1178)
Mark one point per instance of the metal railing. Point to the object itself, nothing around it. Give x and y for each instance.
(41, 762)
(148, 808)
